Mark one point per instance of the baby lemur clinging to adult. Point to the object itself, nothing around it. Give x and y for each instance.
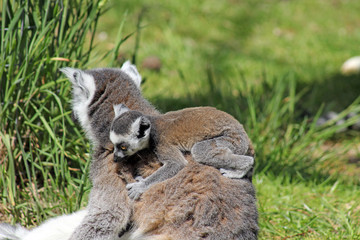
(211, 136)
(197, 203)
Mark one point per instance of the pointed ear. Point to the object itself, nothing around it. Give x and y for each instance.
(144, 127)
(82, 82)
(73, 74)
(131, 70)
(120, 109)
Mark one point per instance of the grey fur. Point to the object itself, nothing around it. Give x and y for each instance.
(216, 139)
(197, 203)
(125, 128)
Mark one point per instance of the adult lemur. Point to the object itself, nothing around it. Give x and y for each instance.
(197, 203)
(212, 137)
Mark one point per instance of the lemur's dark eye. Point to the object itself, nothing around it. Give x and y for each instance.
(123, 148)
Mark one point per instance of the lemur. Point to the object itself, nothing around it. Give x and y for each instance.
(211, 136)
(197, 203)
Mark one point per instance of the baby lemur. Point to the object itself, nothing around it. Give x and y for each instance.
(211, 136)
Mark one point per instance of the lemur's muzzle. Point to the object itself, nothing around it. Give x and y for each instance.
(119, 156)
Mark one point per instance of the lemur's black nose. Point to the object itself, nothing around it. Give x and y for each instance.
(119, 156)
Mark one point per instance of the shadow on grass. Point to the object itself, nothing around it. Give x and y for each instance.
(336, 92)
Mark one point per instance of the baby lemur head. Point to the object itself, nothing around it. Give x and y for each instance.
(129, 132)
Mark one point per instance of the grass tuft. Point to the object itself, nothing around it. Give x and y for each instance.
(42, 152)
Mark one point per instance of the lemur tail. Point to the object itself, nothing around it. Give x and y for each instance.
(11, 232)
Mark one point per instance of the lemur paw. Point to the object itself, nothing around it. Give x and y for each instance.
(233, 174)
(136, 189)
(242, 162)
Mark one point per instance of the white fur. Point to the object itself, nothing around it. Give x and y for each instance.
(10, 232)
(58, 228)
(135, 126)
(144, 141)
(132, 71)
(137, 234)
(118, 138)
(83, 92)
(141, 143)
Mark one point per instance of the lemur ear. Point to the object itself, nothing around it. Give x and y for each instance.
(144, 127)
(73, 74)
(131, 70)
(82, 83)
(120, 109)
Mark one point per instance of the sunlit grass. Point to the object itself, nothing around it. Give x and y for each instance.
(271, 65)
(307, 210)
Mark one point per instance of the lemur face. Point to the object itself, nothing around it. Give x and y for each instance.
(130, 132)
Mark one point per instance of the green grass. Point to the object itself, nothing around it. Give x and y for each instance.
(273, 65)
(308, 39)
(41, 151)
(306, 210)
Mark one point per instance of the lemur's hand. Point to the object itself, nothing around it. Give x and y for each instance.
(136, 189)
